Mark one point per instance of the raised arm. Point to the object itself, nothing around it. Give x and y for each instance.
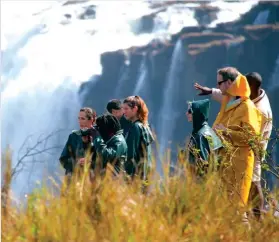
(215, 93)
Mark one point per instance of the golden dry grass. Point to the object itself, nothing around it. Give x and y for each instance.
(108, 209)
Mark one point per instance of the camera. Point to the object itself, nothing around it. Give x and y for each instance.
(89, 131)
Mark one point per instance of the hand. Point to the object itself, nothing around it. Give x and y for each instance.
(220, 127)
(203, 90)
(85, 139)
(81, 161)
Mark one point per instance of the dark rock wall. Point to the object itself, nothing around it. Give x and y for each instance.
(240, 43)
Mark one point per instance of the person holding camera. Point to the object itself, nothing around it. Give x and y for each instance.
(110, 144)
(79, 141)
(114, 107)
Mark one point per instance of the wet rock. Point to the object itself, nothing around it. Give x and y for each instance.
(145, 24)
(89, 12)
(66, 19)
(71, 2)
(206, 14)
(111, 63)
(240, 43)
(68, 16)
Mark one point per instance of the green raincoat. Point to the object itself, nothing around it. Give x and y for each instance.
(203, 141)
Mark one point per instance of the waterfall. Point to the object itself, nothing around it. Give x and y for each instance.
(262, 18)
(168, 113)
(124, 74)
(272, 91)
(273, 84)
(141, 83)
(43, 67)
(45, 59)
(10, 55)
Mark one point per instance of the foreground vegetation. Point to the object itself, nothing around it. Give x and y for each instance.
(110, 210)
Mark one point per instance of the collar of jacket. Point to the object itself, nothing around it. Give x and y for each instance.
(117, 133)
(197, 128)
(259, 98)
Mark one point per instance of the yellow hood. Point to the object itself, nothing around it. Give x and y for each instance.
(239, 88)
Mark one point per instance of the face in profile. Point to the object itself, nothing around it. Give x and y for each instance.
(189, 113)
(118, 113)
(222, 84)
(83, 121)
(129, 113)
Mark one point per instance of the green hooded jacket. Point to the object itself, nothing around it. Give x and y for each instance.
(73, 150)
(113, 151)
(203, 140)
(139, 139)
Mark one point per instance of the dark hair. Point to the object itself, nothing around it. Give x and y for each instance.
(133, 101)
(107, 125)
(228, 73)
(254, 79)
(113, 104)
(89, 113)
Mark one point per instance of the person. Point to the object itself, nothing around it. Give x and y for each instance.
(237, 122)
(203, 138)
(261, 101)
(114, 107)
(110, 144)
(138, 138)
(77, 143)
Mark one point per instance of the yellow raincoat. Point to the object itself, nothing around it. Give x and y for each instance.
(242, 121)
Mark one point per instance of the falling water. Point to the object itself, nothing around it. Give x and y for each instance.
(10, 55)
(124, 74)
(44, 62)
(262, 18)
(42, 71)
(141, 83)
(274, 83)
(273, 89)
(230, 11)
(45, 59)
(168, 113)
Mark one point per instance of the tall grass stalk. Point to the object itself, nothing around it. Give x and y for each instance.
(177, 208)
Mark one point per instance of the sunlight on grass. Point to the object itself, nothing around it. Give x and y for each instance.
(109, 209)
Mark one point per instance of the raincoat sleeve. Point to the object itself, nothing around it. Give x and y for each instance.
(66, 156)
(101, 148)
(247, 126)
(133, 141)
(217, 95)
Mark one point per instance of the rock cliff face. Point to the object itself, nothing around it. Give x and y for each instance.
(250, 44)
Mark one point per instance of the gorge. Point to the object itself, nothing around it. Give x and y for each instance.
(58, 57)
